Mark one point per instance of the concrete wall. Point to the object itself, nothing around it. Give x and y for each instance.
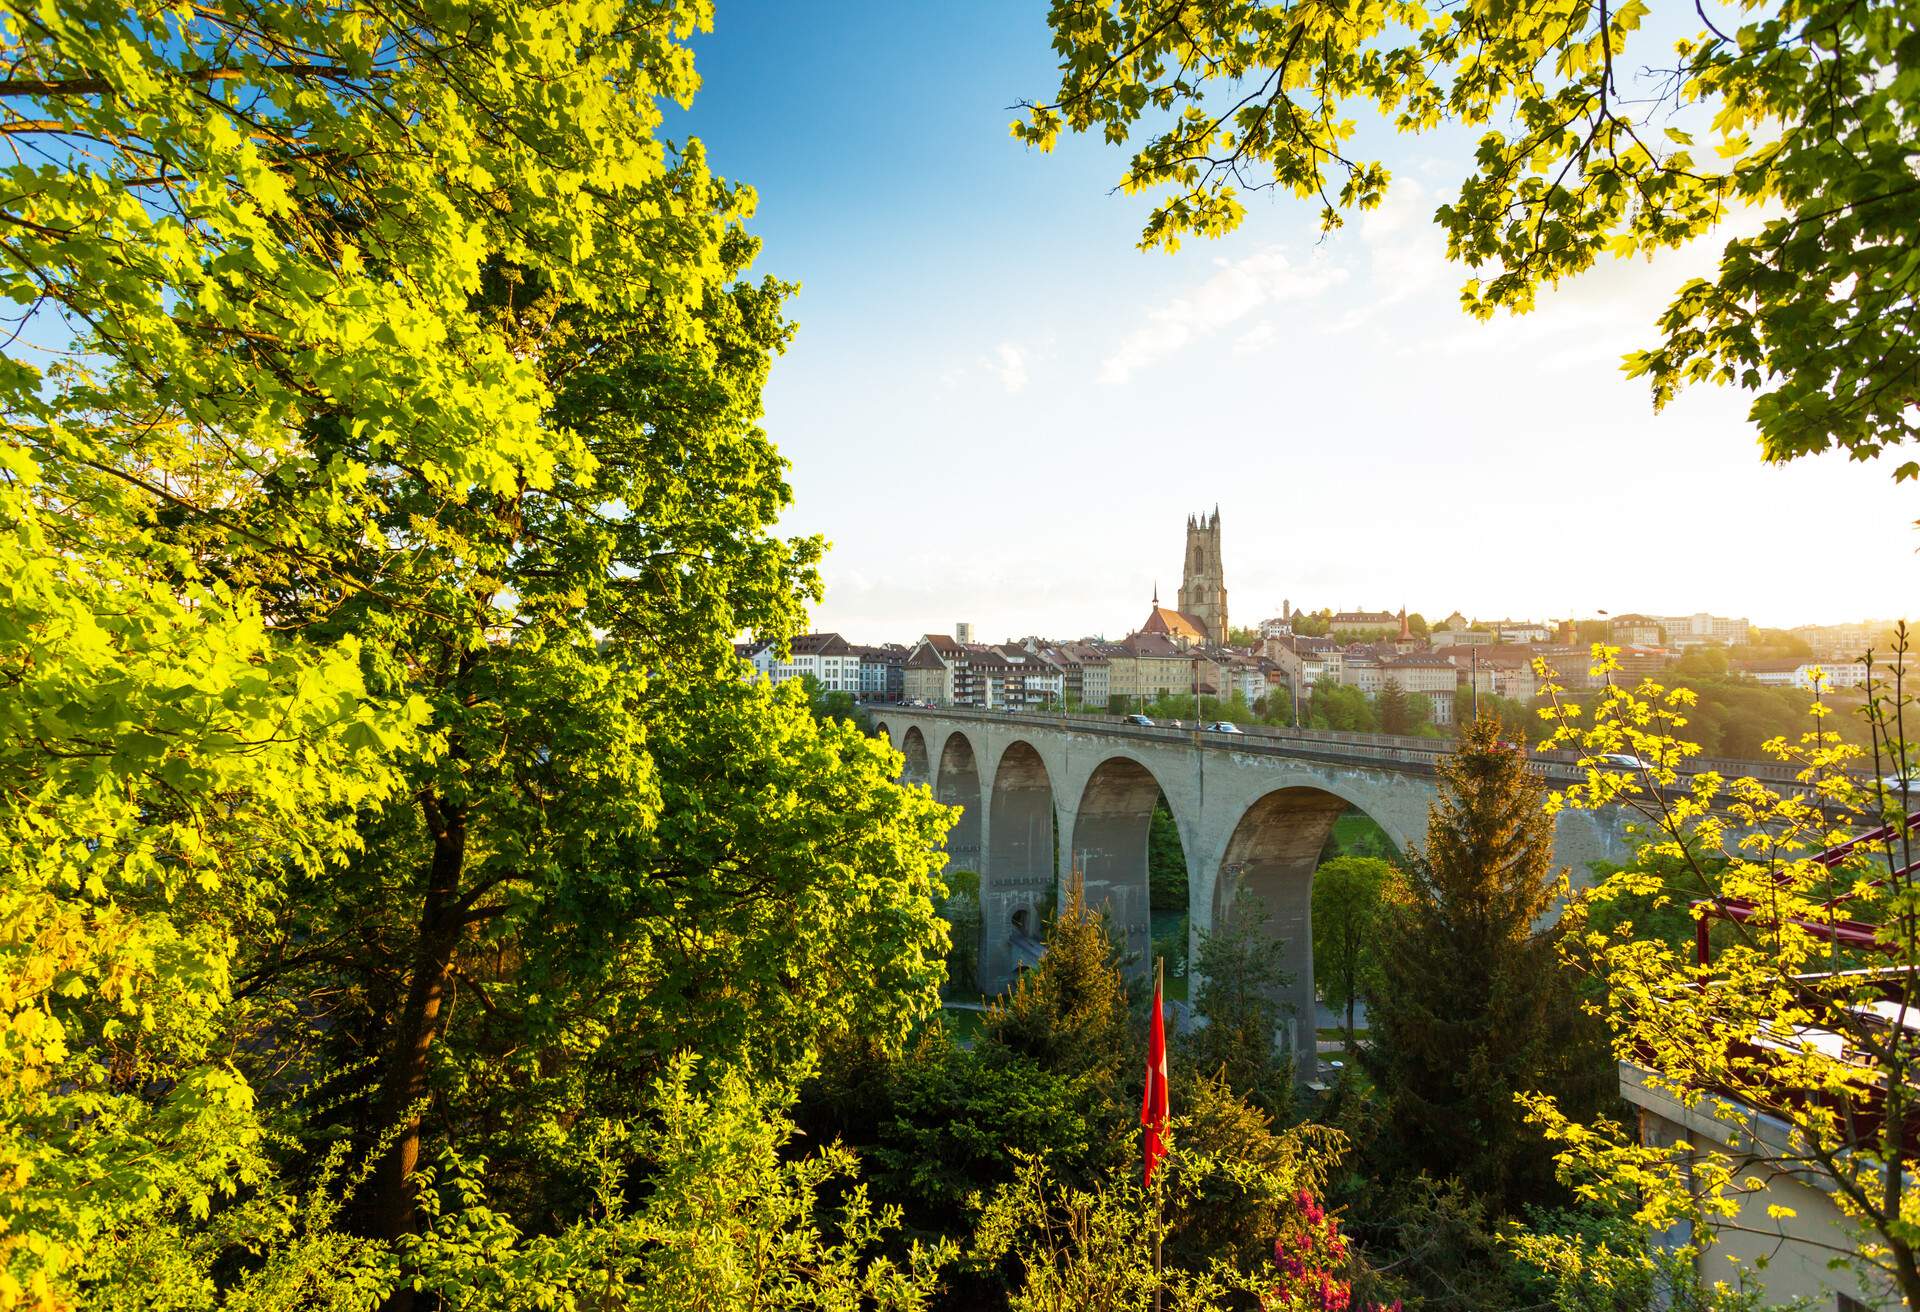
(1043, 797)
(1798, 1250)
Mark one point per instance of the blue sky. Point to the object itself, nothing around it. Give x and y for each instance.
(1000, 410)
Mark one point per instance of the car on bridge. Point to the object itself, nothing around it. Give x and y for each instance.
(1140, 720)
(1225, 726)
(1623, 761)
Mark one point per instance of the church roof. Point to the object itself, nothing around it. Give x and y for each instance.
(1174, 624)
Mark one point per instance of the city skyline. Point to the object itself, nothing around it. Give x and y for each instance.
(1014, 433)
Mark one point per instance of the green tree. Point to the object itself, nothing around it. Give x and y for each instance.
(1708, 1038)
(1239, 999)
(1275, 708)
(1417, 625)
(1796, 103)
(732, 1217)
(1166, 862)
(408, 453)
(1340, 707)
(1351, 897)
(1519, 723)
(296, 375)
(1471, 1006)
(835, 705)
(1401, 712)
(1069, 1014)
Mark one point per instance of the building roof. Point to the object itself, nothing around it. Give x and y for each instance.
(1083, 653)
(1419, 660)
(1174, 624)
(821, 644)
(925, 656)
(1348, 618)
(1496, 653)
(1775, 664)
(1154, 645)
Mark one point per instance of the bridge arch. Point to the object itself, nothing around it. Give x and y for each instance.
(1017, 882)
(1271, 855)
(1109, 845)
(913, 746)
(958, 784)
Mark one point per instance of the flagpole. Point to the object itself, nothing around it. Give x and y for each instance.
(1159, 1185)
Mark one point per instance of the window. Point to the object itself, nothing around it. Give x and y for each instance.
(1847, 1303)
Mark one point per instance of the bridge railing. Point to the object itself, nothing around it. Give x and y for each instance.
(1329, 744)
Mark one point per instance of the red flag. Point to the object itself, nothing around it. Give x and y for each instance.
(1153, 1105)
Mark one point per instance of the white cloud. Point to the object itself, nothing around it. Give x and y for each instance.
(1235, 291)
(1009, 365)
(1256, 339)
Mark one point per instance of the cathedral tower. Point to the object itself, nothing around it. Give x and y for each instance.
(1203, 587)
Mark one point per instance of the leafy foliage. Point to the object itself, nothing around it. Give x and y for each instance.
(1239, 1000)
(1807, 110)
(1070, 1013)
(1166, 861)
(1341, 707)
(1351, 900)
(1732, 1036)
(372, 742)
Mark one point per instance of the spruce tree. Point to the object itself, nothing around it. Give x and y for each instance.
(1070, 1013)
(1472, 1004)
(1395, 709)
(1239, 999)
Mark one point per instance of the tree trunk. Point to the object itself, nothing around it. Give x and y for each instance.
(398, 1108)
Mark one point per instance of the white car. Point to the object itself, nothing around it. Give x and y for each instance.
(1623, 761)
(1225, 726)
(1893, 783)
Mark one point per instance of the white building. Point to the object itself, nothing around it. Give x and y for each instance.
(758, 658)
(1702, 629)
(828, 657)
(1799, 674)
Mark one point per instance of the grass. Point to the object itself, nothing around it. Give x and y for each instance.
(962, 1023)
(1169, 934)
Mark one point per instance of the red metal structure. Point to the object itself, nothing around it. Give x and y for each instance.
(1851, 933)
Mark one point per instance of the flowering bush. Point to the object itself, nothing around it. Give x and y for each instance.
(1310, 1256)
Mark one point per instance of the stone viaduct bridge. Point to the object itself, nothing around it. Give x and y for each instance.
(1253, 812)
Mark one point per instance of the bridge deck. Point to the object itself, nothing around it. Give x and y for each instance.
(1414, 755)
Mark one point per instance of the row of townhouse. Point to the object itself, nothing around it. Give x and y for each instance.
(836, 665)
(1038, 672)
(943, 671)
(1502, 669)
